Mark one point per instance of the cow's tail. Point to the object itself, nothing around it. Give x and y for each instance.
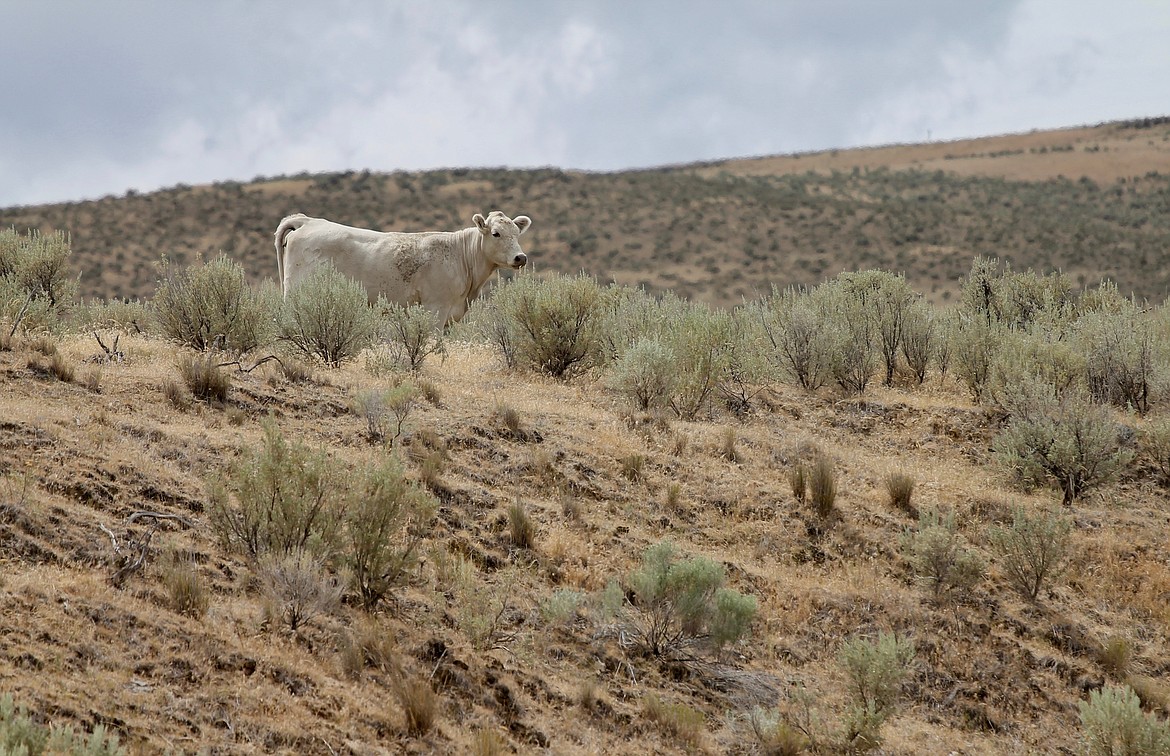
(289, 224)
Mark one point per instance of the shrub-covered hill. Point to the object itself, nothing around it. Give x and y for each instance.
(1094, 203)
(199, 552)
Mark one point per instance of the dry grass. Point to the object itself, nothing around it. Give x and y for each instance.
(900, 489)
(84, 651)
(419, 703)
(521, 528)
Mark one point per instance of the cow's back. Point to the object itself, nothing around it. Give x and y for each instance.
(385, 263)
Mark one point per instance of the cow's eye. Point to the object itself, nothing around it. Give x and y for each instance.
(495, 233)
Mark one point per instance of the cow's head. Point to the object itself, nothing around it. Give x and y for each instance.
(501, 238)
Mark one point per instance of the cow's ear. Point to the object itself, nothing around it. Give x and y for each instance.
(522, 222)
(480, 223)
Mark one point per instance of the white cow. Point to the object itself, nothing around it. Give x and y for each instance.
(440, 270)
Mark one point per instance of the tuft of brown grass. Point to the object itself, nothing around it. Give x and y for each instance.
(430, 392)
(187, 591)
(91, 381)
(822, 486)
(542, 464)
(177, 395)
(295, 371)
(680, 721)
(1115, 656)
(673, 497)
(419, 703)
(488, 743)
(520, 526)
(44, 344)
(204, 378)
(798, 480)
(509, 417)
(571, 506)
(62, 368)
(727, 449)
(369, 644)
(633, 467)
(900, 488)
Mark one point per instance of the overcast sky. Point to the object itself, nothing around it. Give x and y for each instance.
(102, 97)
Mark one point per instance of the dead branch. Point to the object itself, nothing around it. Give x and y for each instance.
(20, 316)
(113, 540)
(240, 365)
(135, 556)
(112, 352)
(159, 516)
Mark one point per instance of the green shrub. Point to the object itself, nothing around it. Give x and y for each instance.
(1070, 441)
(327, 317)
(36, 286)
(1032, 550)
(1123, 366)
(210, 306)
(413, 333)
(703, 343)
(1112, 724)
(386, 518)
(677, 603)
(20, 735)
(776, 736)
(973, 345)
(630, 315)
(561, 606)
(285, 500)
(1014, 300)
(385, 411)
(875, 671)
(852, 332)
(121, 315)
(645, 374)
(887, 300)
(920, 339)
(938, 557)
(298, 588)
(1040, 356)
(552, 326)
(794, 327)
(1155, 440)
(745, 366)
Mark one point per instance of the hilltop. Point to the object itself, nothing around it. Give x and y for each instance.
(1091, 202)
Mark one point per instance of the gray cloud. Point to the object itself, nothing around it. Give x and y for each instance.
(103, 97)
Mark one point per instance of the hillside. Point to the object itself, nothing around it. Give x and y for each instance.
(478, 620)
(993, 673)
(1092, 202)
(525, 624)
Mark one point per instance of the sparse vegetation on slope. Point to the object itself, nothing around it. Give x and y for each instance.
(542, 556)
(717, 233)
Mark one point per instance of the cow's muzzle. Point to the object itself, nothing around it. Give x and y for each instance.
(519, 260)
